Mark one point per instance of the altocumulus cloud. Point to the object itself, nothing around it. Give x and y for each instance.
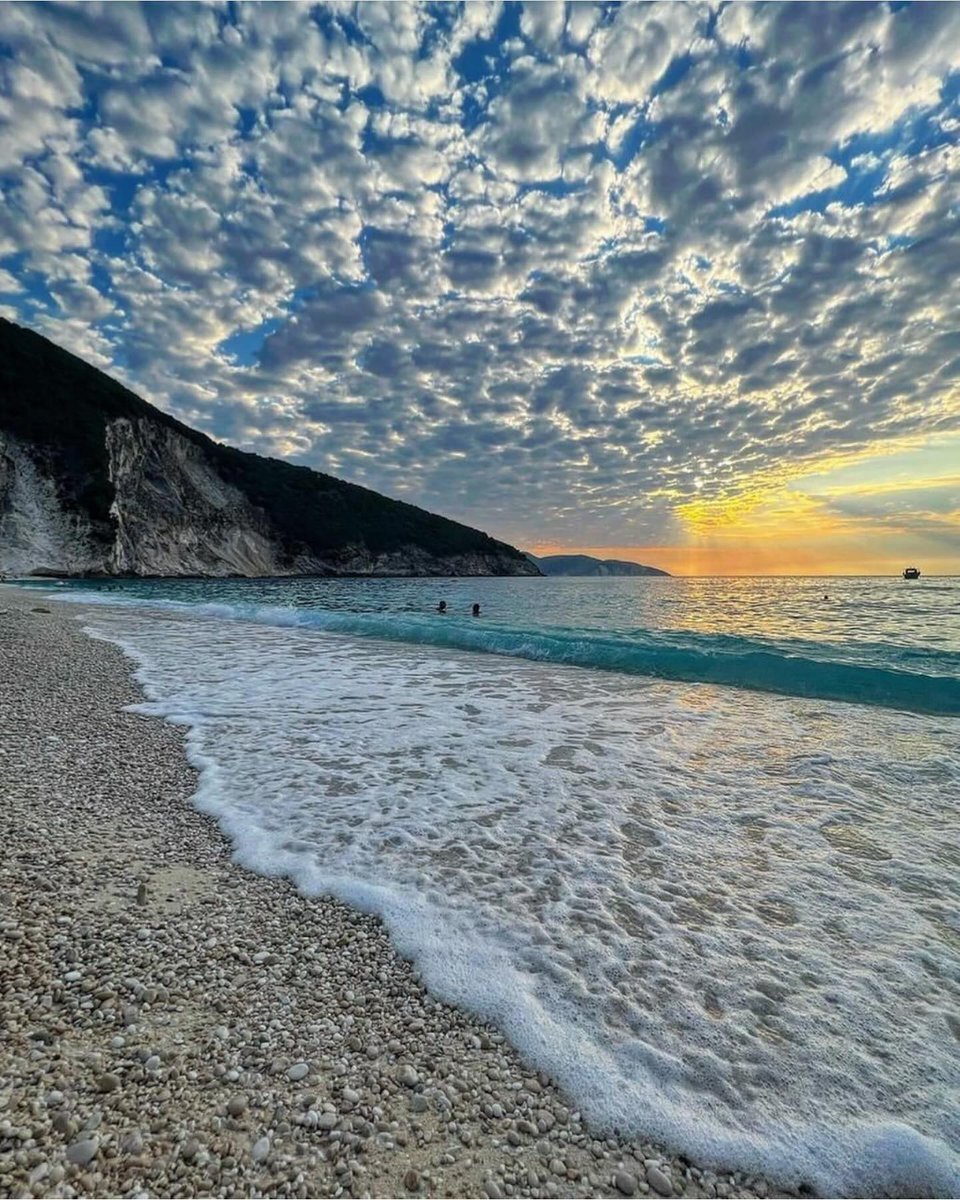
(557, 269)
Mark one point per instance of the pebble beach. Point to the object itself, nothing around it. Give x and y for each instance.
(175, 1025)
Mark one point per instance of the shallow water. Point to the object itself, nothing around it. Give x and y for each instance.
(881, 641)
(724, 918)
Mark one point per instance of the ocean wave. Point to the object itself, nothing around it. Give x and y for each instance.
(788, 668)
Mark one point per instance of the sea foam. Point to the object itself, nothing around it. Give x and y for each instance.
(724, 920)
(918, 679)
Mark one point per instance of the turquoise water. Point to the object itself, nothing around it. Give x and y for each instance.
(881, 641)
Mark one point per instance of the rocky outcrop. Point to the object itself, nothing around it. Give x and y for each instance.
(93, 480)
(173, 515)
(37, 533)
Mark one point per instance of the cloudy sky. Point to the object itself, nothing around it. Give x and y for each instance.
(679, 282)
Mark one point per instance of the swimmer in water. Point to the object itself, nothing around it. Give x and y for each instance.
(442, 606)
(476, 610)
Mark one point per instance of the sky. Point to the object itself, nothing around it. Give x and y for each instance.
(676, 283)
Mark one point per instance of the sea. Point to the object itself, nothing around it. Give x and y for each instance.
(692, 844)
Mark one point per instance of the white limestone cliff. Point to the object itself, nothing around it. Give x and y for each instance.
(172, 515)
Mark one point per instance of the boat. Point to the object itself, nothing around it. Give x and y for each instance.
(911, 573)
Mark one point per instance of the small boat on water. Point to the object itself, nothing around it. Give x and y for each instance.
(911, 573)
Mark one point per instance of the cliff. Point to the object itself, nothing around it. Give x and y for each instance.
(94, 480)
(583, 564)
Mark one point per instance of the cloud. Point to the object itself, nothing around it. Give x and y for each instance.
(561, 270)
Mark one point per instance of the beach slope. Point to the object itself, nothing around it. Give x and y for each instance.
(177, 1025)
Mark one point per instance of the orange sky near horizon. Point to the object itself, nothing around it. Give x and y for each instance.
(746, 560)
(869, 515)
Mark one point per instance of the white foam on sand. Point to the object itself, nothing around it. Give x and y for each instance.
(723, 920)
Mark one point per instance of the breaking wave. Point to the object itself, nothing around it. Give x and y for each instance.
(923, 681)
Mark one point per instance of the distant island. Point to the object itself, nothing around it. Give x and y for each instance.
(96, 481)
(583, 564)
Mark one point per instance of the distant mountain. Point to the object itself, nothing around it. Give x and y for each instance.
(94, 480)
(583, 564)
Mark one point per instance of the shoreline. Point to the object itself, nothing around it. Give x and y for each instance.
(178, 1024)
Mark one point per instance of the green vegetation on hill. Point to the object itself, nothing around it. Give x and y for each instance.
(55, 401)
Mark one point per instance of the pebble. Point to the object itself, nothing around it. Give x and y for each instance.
(83, 1152)
(132, 1142)
(408, 1076)
(260, 1149)
(625, 1183)
(660, 1182)
(237, 1106)
(64, 1124)
(297, 1072)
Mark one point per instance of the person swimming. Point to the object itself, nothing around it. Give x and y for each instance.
(476, 610)
(442, 606)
